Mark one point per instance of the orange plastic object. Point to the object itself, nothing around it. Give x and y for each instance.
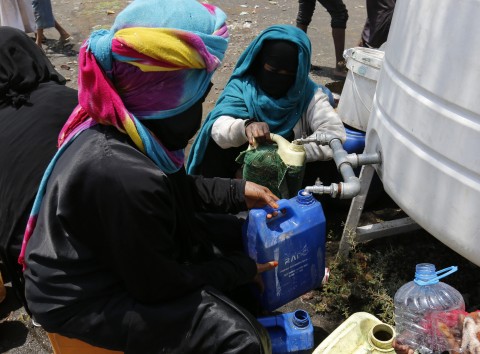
(3, 291)
(65, 345)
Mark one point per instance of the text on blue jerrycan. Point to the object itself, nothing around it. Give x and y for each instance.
(289, 332)
(296, 239)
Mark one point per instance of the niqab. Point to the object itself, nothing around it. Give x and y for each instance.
(281, 56)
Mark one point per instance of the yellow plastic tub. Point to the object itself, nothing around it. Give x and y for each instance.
(361, 333)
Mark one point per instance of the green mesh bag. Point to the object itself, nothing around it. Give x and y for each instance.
(263, 165)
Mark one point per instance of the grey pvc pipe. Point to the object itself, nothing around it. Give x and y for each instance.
(357, 160)
(350, 186)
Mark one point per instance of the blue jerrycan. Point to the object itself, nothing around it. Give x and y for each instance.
(289, 332)
(296, 239)
(355, 142)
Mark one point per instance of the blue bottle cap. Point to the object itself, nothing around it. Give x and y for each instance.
(304, 197)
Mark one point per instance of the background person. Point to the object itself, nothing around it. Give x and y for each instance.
(34, 106)
(114, 253)
(377, 25)
(339, 17)
(44, 18)
(17, 14)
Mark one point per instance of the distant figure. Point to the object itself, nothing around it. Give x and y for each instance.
(377, 25)
(44, 19)
(17, 14)
(339, 14)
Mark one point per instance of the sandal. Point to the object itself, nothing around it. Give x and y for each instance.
(66, 40)
(340, 71)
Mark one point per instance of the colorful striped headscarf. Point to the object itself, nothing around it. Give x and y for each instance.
(154, 63)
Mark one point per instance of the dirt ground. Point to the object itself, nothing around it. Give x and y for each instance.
(246, 19)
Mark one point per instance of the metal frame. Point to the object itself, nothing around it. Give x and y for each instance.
(355, 233)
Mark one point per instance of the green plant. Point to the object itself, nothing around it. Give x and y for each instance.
(365, 280)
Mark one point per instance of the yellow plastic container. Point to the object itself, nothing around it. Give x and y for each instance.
(291, 154)
(361, 333)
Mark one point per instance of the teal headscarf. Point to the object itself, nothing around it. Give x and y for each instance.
(244, 100)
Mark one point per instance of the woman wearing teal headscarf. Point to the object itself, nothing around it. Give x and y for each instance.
(269, 91)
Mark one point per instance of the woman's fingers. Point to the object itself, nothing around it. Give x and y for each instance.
(257, 196)
(266, 266)
(258, 131)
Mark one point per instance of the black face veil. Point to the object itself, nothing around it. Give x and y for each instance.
(281, 56)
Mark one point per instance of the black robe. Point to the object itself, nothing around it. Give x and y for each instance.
(120, 257)
(34, 105)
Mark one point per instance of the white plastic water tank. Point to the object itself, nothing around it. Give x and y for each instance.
(425, 119)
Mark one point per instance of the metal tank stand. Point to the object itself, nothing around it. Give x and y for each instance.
(353, 233)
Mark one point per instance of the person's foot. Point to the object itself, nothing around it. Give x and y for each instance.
(304, 28)
(340, 71)
(40, 40)
(65, 38)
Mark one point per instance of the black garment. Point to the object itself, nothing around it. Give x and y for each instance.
(33, 110)
(204, 321)
(336, 8)
(117, 245)
(219, 162)
(377, 25)
(23, 66)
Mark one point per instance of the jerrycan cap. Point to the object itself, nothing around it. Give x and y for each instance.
(301, 319)
(425, 274)
(304, 197)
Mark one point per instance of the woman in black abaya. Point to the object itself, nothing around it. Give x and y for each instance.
(34, 105)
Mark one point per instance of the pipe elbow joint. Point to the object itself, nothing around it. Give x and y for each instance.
(350, 189)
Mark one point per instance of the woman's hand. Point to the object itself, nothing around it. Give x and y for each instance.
(260, 269)
(257, 196)
(257, 131)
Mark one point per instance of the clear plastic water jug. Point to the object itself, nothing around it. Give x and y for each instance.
(289, 332)
(296, 239)
(424, 309)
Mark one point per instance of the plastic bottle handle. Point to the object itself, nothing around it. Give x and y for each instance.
(282, 204)
(446, 271)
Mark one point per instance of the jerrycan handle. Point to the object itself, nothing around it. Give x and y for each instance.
(282, 204)
(440, 274)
